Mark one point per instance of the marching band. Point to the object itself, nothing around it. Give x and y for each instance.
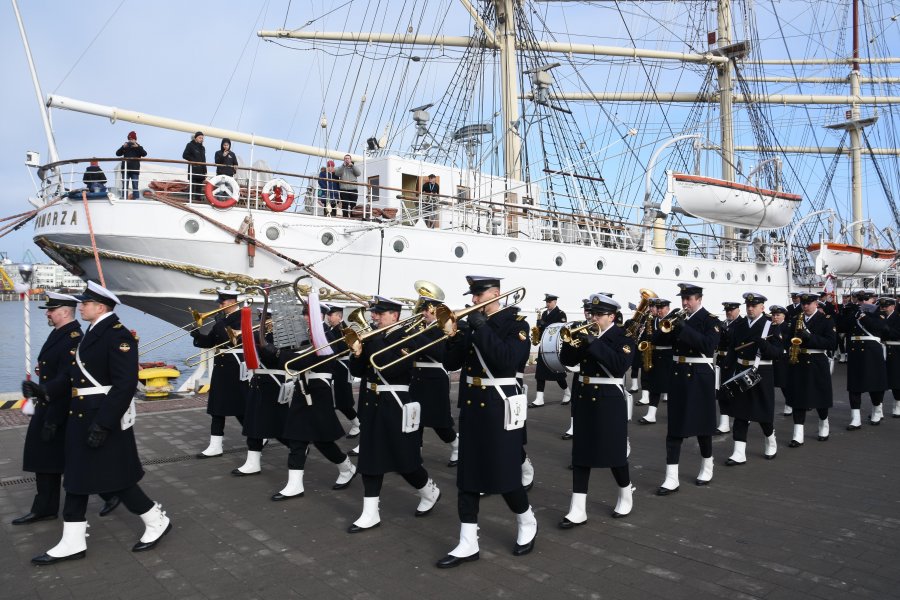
(289, 389)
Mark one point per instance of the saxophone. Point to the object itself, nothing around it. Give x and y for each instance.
(646, 346)
(794, 352)
(535, 330)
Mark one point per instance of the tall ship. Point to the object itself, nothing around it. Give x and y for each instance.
(576, 147)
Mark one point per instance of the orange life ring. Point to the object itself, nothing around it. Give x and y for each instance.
(214, 188)
(278, 195)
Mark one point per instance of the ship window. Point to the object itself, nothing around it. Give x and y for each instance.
(635, 268)
(743, 277)
(327, 238)
(399, 245)
(769, 278)
(559, 260)
(728, 275)
(463, 193)
(513, 255)
(600, 265)
(272, 233)
(712, 274)
(657, 269)
(696, 273)
(459, 251)
(677, 271)
(191, 226)
(755, 277)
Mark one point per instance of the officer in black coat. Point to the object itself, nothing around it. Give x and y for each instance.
(892, 344)
(656, 381)
(552, 314)
(866, 369)
(489, 349)
(732, 317)
(809, 372)
(44, 453)
(343, 379)
(692, 396)
(228, 381)
(384, 446)
(101, 454)
(430, 382)
(753, 344)
(195, 153)
(586, 307)
(600, 408)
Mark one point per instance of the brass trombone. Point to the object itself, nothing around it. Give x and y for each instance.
(443, 316)
(156, 344)
(234, 338)
(357, 319)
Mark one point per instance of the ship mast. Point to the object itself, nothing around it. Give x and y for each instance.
(506, 36)
(855, 156)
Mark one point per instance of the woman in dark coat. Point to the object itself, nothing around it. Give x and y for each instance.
(226, 161)
(600, 409)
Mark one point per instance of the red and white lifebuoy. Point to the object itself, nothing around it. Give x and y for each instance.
(278, 195)
(222, 191)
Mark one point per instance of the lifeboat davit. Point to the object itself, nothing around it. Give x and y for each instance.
(845, 260)
(731, 203)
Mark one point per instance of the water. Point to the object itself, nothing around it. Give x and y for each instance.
(12, 351)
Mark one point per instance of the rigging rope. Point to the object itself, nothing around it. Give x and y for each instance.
(87, 213)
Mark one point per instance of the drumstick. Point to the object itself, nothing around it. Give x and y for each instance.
(742, 346)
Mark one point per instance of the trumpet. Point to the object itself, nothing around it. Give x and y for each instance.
(357, 320)
(443, 316)
(197, 323)
(667, 325)
(571, 335)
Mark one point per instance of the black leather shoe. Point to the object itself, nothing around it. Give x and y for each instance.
(702, 482)
(895, 416)
(452, 463)
(202, 456)
(528, 487)
(524, 548)
(874, 423)
(46, 559)
(422, 513)
(567, 524)
(354, 528)
(109, 506)
(351, 437)
(32, 518)
(734, 463)
(450, 561)
(720, 432)
(533, 405)
(616, 515)
(566, 436)
(278, 497)
(341, 486)
(644, 421)
(853, 427)
(770, 456)
(352, 453)
(239, 473)
(144, 546)
(661, 491)
(822, 438)
(794, 444)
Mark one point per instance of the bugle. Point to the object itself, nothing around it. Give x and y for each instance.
(443, 316)
(667, 325)
(570, 335)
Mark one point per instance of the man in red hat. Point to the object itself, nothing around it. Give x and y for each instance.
(132, 152)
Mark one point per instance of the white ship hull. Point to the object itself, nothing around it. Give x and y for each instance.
(151, 261)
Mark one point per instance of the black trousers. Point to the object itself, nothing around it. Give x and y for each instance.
(467, 504)
(800, 415)
(348, 412)
(46, 500)
(673, 448)
(446, 434)
(581, 476)
(217, 426)
(134, 499)
(654, 401)
(348, 201)
(299, 449)
(372, 483)
(856, 398)
(561, 380)
(739, 431)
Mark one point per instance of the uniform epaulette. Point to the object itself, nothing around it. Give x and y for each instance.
(75, 334)
(520, 317)
(827, 316)
(118, 326)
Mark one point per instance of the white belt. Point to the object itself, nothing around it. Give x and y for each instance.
(268, 372)
(310, 375)
(892, 343)
(485, 381)
(662, 347)
(520, 375)
(812, 351)
(692, 359)
(751, 363)
(91, 391)
(602, 380)
(234, 351)
(388, 388)
(861, 338)
(428, 365)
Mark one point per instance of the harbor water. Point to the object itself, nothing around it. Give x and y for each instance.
(12, 351)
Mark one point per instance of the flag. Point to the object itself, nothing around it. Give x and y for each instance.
(317, 327)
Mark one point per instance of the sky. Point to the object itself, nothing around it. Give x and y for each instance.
(201, 61)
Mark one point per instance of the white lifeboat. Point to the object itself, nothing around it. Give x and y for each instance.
(845, 260)
(731, 203)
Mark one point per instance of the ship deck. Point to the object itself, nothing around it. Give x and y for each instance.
(818, 522)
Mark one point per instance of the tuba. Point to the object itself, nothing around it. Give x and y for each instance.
(640, 314)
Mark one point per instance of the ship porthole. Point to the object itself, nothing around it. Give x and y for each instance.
(327, 238)
(677, 271)
(696, 273)
(635, 268)
(712, 274)
(559, 260)
(657, 269)
(513, 255)
(755, 277)
(273, 233)
(191, 226)
(399, 245)
(743, 277)
(459, 251)
(728, 275)
(600, 265)
(769, 278)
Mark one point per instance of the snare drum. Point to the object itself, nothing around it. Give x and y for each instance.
(742, 383)
(550, 347)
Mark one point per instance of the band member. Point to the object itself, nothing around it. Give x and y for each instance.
(101, 454)
(343, 380)
(586, 307)
(892, 343)
(692, 396)
(227, 389)
(430, 383)
(656, 381)
(794, 308)
(845, 323)
(809, 368)
(263, 416)
(780, 364)
(384, 447)
(552, 314)
(310, 419)
(600, 408)
(489, 349)
(753, 344)
(732, 317)
(866, 370)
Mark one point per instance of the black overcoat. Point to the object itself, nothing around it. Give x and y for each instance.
(692, 395)
(809, 381)
(311, 416)
(342, 382)
(866, 369)
(430, 385)
(227, 392)
(892, 341)
(264, 417)
(758, 403)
